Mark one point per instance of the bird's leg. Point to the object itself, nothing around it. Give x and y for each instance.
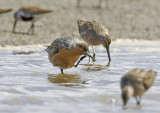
(14, 26)
(62, 71)
(100, 4)
(78, 3)
(138, 100)
(107, 3)
(89, 60)
(80, 60)
(107, 48)
(94, 55)
(31, 29)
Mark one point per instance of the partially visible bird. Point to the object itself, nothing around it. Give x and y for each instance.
(94, 34)
(135, 83)
(29, 14)
(64, 52)
(98, 6)
(3, 11)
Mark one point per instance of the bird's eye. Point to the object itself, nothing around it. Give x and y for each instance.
(80, 46)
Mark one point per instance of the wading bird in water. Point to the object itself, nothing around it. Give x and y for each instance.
(64, 52)
(94, 34)
(135, 83)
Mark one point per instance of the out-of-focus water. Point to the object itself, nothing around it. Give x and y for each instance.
(30, 84)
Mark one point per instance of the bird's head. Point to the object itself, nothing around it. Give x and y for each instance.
(82, 49)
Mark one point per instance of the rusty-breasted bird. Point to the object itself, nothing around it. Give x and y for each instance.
(135, 83)
(29, 14)
(94, 34)
(64, 52)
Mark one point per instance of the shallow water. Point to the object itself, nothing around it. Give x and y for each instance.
(30, 84)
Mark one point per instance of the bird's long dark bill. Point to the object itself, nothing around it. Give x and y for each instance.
(90, 56)
(80, 60)
(87, 54)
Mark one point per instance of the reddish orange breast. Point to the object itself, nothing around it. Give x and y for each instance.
(65, 58)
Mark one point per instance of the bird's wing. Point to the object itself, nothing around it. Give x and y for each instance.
(34, 10)
(99, 28)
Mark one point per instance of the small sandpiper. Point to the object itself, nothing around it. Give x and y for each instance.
(94, 34)
(29, 14)
(64, 52)
(135, 83)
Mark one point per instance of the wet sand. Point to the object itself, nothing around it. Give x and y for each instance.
(125, 19)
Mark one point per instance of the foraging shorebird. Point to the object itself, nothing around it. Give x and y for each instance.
(64, 52)
(135, 83)
(94, 34)
(29, 14)
(99, 4)
(3, 11)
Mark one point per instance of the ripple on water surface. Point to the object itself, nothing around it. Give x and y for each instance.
(28, 80)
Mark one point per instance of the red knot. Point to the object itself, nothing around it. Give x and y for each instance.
(64, 52)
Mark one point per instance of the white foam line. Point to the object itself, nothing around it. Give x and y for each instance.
(136, 42)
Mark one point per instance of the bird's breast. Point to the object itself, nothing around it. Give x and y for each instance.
(64, 58)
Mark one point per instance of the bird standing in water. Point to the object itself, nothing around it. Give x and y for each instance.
(94, 34)
(29, 14)
(135, 83)
(64, 52)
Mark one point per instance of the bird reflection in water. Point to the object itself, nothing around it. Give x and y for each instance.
(68, 80)
(95, 67)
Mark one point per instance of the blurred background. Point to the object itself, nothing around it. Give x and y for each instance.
(124, 19)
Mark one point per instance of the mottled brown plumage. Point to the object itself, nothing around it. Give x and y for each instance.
(135, 83)
(64, 52)
(30, 14)
(94, 34)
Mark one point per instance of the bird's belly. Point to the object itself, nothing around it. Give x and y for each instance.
(27, 18)
(64, 59)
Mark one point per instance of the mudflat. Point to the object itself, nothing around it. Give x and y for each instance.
(124, 19)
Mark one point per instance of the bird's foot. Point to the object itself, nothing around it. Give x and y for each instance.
(124, 107)
(108, 64)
